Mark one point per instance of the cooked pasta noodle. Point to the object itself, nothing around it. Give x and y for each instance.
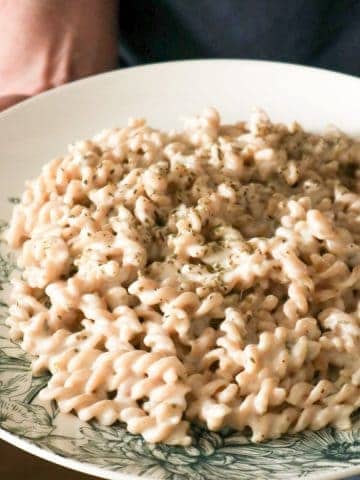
(208, 275)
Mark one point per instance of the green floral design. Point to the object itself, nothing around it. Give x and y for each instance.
(6, 267)
(3, 225)
(212, 456)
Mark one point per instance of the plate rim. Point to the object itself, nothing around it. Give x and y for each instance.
(107, 474)
(66, 462)
(158, 65)
(86, 467)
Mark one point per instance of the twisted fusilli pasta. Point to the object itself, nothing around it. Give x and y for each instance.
(209, 275)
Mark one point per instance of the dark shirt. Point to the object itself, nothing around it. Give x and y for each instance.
(324, 33)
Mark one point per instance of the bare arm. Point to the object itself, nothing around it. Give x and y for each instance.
(47, 43)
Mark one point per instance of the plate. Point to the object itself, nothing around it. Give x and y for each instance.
(40, 128)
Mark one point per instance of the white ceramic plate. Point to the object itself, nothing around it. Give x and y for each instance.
(35, 131)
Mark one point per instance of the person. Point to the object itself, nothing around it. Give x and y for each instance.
(45, 43)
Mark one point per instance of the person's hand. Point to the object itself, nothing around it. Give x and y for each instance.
(10, 100)
(48, 43)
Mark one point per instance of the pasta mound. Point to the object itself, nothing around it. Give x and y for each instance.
(206, 275)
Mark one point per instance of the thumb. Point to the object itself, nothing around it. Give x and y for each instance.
(9, 100)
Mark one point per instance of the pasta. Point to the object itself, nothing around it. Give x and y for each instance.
(209, 275)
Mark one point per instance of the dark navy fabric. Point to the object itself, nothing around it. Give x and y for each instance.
(324, 33)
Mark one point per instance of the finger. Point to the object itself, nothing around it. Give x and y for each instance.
(10, 100)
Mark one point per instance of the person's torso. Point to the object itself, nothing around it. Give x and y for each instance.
(324, 33)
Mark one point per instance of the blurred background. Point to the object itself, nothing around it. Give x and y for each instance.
(45, 44)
